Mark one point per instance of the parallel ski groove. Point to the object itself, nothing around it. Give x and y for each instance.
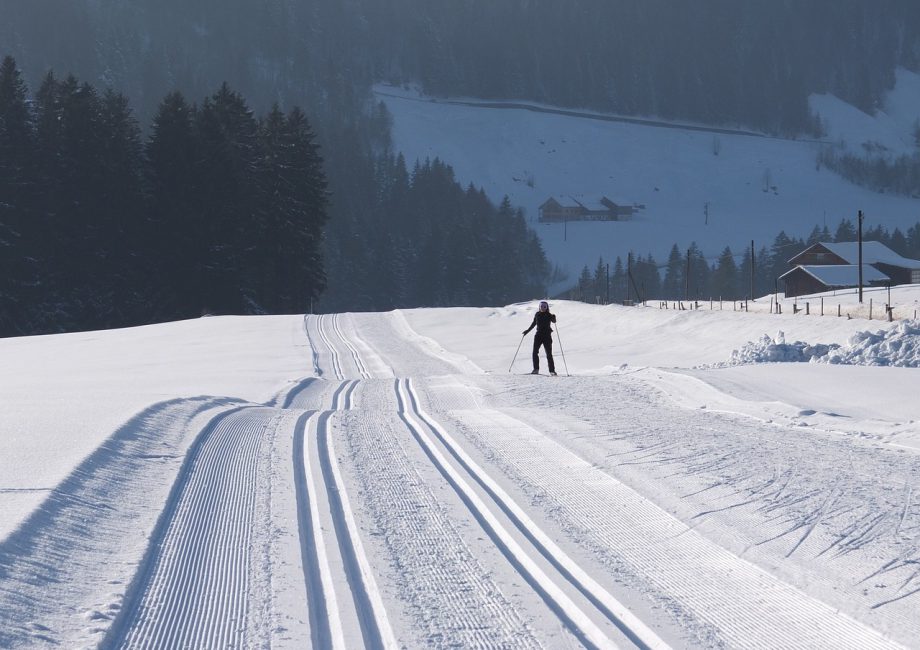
(198, 590)
(333, 352)
(325, 622)
(359, 363)
(578, 621)
(454, 595)
(681, 563)
(368, 602)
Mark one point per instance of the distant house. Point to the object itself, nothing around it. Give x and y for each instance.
(827, 266)
(567, 208)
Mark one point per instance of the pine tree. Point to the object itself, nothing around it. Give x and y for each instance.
(178, 239)
(585, 285)
(288, 262)
(618, 281)
(724, 281)
(672, 287)
(698, 286)
(846, 231)
(17, 197)
(123, 235)
(228, 202)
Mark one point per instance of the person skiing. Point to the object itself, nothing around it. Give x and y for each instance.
(544, 337)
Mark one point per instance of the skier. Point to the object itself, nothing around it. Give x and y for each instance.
(544, 337)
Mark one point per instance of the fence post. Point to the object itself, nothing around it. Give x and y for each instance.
(870, 308)
(822, 305)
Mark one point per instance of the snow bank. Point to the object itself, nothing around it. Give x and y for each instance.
(895, 347)
(773, 350)
(899, 346)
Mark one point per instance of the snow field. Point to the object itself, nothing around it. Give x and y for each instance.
(716, 189)
(404, 489)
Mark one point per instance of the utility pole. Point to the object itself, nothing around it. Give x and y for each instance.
(859, 239)
(608, 284)
(752, 270)
(687, 278)
(628, 273)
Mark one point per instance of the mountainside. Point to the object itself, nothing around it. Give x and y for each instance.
(708, 186)
(717, 61)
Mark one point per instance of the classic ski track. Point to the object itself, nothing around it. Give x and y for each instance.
(366, 597)
(356, 357)
(570, 613)
(333, 352)
(197, 592)
(758, 611)
(453, 598)
(344, 537)
(572, 616)
(322, 602)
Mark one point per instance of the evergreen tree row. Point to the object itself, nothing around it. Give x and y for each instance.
(420, 239)
(716, 61)
(745, 62)
(725, 278)
(215, 212)
(900, 175)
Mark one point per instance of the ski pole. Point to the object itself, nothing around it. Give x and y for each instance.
(516, 353)
(559, 336)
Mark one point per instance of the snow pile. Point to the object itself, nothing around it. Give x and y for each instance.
(899, 346)
(774, 350)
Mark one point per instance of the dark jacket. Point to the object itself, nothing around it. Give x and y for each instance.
(541, 321)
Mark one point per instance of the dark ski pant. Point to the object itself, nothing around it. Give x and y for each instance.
(546, 340)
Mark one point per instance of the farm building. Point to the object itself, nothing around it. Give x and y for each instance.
(567, 208)
(826, 266)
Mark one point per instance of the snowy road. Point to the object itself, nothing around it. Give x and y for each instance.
(397, 496)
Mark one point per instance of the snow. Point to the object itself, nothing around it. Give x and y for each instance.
(285, 480)
(713, 187)
(873, 253)
(841, 275)
(897, 347)
(890, 131)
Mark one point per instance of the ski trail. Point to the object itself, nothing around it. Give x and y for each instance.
(352, 349)
(749, 607)
(195, 593)
(368, 602)
(325, 620)
(576, 619)
(453, 597)
(105, 509)
(336, 556)
(319, 325)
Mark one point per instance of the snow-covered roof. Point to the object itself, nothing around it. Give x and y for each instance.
(595, 205)
(567, 202)
(841, 275)
(873, 252)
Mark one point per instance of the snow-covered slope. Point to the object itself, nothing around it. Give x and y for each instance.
(708, 186)
(392, 480)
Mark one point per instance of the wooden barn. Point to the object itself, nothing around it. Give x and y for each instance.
(825, 266)
(567, 208)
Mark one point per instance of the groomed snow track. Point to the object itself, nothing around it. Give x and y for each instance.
(420, 517)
